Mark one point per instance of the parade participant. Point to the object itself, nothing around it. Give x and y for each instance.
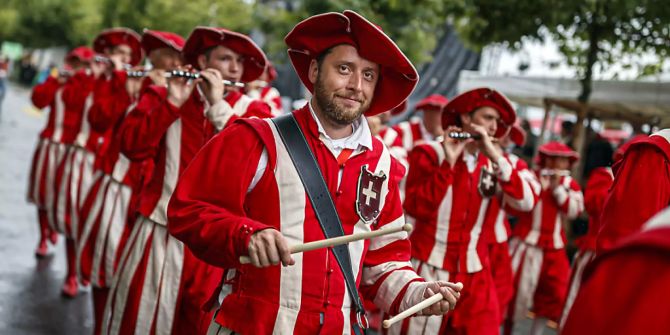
(353, 69)
(642, 182)
(451, 192)
(540, 264)
(45, 159)
(501, 263)
(625, 288)
(595, 193)
(160, 286)
(110, 207)
(261, 89)
(408, 133)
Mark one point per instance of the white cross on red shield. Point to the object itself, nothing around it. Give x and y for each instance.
(487, 183)
(368, 197)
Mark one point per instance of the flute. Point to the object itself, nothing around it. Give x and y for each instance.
(105, 59)
(464, 136)
(554, 172)
(196, 75)
(335, 241)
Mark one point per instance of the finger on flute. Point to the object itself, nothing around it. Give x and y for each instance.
(335, 241)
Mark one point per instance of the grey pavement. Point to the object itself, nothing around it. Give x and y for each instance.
(30, 300)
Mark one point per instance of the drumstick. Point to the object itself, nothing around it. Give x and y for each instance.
(335, 241)
(415, 309)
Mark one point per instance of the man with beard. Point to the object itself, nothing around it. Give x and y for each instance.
(242, 195)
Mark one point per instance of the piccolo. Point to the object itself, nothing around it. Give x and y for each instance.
(554, 172)
(196, 75)
(335, 241)
(464, 136)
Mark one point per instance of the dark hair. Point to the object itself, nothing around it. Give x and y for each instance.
(208, 51)
(319, 59)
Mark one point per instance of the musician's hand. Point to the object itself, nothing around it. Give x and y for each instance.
(133, 86)
(179, 89)
(268, 247)
(98, 68)
(117, 63)
(451, 293)
(453, 148)
(486, 145)
(158, 77)
(213, 82)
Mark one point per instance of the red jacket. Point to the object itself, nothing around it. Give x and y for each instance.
(76, 99)
(49, 93)
(595, 193)
(625, 289)
(642, 183)
(213, 213)
(171, 137)
(543, 227)
(453, 220)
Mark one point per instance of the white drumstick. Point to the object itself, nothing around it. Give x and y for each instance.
(335, 241)
(415, 309)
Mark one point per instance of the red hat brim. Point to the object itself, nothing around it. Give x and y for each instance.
(153, 39)
(399, 109)
(474, 99)
(83, 54)
(316, 34)
(109, 38)
(203, 38)
(517, 135)
(556, 149)
(433, 102)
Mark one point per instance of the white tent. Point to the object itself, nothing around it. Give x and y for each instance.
(633, 101)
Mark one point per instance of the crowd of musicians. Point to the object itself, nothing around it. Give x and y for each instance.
(167, 167)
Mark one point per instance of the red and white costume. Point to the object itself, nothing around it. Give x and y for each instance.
(264, 191)
(642, 183)
(540, 264)
(595, 193)
(624, 290)
(160, 286)
(454, 220)
(267, 93)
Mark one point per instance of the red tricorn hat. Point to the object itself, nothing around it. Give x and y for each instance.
(271, 71)
(517, 135)
(203, 38)
(555, 149)
(153, 39)
(82, 54)
(480, 97)
(399, 109)
(316, 34)
(433, 102)
(112, 37)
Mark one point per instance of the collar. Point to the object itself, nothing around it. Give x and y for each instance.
(360, 137)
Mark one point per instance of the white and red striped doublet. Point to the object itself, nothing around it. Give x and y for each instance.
(160, 286)
(539, 260)
(310, 296)
(453, 229)
(270, 96)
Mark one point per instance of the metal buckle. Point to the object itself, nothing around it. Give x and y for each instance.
(362, 320)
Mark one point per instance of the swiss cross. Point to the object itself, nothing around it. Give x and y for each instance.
(487, 181)
(369, 193)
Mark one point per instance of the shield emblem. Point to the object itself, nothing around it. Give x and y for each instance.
(487, 183)
(368, 197)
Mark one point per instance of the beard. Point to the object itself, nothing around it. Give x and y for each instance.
(332, 111)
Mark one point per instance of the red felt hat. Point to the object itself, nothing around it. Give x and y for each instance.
(517, 135)
(480, 97)
(399, 109)
(433, 102)
(272, 72)
(83, 54)
(621, 150)
(203, 38)
(556, 149)
(316, 34)
(154, 39)
(109, 38)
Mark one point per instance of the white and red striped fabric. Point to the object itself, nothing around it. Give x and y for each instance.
(269, 95)
(310, 296)
(160, 286)
(540, 264)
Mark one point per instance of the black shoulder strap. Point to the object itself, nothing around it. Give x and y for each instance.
(324, 208)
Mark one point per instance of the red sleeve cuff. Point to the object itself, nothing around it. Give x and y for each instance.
(244, 231)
